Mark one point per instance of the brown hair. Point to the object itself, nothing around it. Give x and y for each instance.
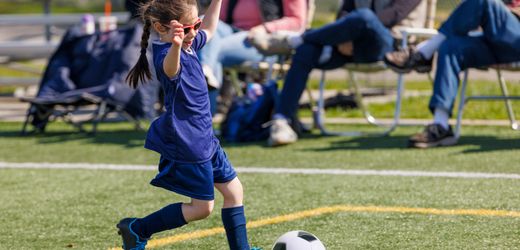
(162, 11)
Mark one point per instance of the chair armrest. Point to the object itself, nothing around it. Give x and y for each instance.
(406, 32)
(514, 66)
(91, 98)
(421, 32)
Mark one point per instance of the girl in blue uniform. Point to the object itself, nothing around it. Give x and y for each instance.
(192, 161)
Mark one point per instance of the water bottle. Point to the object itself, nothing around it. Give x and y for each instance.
(254, 90)
(88, 24)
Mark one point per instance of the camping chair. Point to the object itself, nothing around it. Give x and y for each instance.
(463, 99)
(318, 110)
(505, 95)
(86, 77)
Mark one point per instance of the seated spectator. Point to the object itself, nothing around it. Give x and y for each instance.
(361, 34)
(457, 51)
(241, 20)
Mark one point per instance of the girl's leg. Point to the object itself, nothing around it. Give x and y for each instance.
(232, 192)
(233, 216)
(172, 216)
(197, 209)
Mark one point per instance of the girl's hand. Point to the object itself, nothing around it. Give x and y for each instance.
(177, 33)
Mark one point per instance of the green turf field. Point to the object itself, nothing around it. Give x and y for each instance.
(61, 209)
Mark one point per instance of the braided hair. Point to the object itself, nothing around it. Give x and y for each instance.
(162, 11)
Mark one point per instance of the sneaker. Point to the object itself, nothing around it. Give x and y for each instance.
(404, 61)
(272, 44)
(434, 135)
(281, 133)
(131, 241)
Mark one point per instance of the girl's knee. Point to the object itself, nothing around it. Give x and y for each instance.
(233, 198)
(232, 192)
(202, 209)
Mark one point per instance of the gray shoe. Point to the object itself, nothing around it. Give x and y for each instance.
(434, 135)
(281, 133)
(404, 61)
(272, 44)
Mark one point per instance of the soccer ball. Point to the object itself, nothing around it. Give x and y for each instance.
(298, 240)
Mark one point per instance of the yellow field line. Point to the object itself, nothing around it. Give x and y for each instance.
(328, 210)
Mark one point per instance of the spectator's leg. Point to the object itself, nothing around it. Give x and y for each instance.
(492, 15)
(236, 50)
(304, 60)
(359, 24)
(455, 55)
(500, 26)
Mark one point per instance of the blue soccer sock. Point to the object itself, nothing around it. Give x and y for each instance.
(235, 224)
(168, 217)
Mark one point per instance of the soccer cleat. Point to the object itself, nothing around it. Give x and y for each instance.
(434, 135)
(281, 133)
(404, 61)
(131, 241)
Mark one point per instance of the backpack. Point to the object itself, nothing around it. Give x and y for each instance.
(246, 116)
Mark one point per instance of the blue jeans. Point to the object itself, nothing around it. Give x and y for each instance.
(500, 43)
(228, 47)
(371, 41)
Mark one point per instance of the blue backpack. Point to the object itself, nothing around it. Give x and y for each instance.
(246, 117)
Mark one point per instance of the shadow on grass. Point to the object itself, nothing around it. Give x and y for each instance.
(261, 143)
(128, 137)
(468, 144)
(121, 136)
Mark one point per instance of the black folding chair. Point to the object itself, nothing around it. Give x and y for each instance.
(85, 81)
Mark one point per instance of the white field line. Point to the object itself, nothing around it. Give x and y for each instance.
(304, 171)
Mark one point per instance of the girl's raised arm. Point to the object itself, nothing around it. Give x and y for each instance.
(211, 17)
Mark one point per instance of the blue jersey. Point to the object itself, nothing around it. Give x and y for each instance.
(184, 131)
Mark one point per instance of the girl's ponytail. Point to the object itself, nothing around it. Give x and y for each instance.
(141, 70)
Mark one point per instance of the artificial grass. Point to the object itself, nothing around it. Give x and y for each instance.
(57, 209)
(487, 149)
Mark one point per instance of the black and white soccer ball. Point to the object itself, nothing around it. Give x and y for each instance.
(298, 240)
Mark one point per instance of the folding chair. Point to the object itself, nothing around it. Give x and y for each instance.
(505, 95)
(463, 99)
(352, 68)
(86, 77)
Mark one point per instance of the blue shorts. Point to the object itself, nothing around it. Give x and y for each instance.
(195, 180)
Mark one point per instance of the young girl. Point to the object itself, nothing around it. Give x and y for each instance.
(192, 161)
